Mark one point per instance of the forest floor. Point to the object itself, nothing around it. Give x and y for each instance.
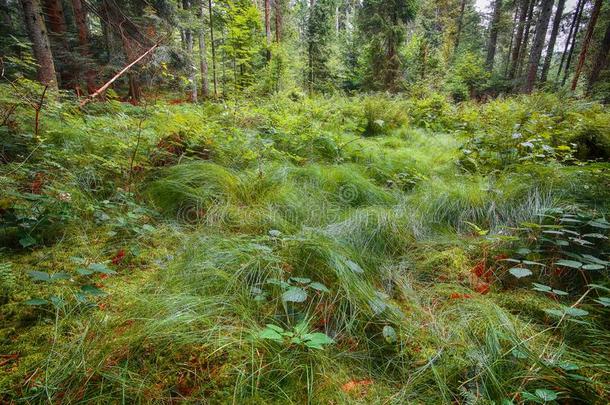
(297, 250)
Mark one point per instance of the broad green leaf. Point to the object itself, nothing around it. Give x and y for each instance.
(276, 328)
(559, 292)
(301, 280)
(531, 263)
(576, 311)
(541, 287)
(27, 241)
(389, 334)
(101, 268)
(546, 395)
(294, 294)
(317, 340)
(93, 290)
(595, 235)
(595, 260)
(39, 275)
(270, 334)
(567, 366)
(319, 286)
(554, 312)
(36, 301)
(60, 276)
(520, 272)
(355, 267)
(524, 251)
(605, 301)
(598, 223)
(593, 267)
(84, 272)
(569, 263)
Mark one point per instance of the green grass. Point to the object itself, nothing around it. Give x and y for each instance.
(391, 225)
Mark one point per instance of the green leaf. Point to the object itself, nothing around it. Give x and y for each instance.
(568, 366)
(520, 272)
(559, 292)
(598, 223)
(274, 233)
(294, 294)
(317, 340)
(595, 260)
(276, 328)
(36, 301)
(595, 235)
(546, 395)
(84, 272)
(39, 275)
(389, 334)
(319, 286)
(101, 268)
(524, 251)
(60, 276)
(301, 280)
(593, 267)
(531, 263)
(27, 241)
(569, 263)
(270, 334)
(555, 312)
(605, 301)
(355, 267)
(93, 290)
(576, 312)
(541, 287)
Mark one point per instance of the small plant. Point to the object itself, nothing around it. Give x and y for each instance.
(300, 335)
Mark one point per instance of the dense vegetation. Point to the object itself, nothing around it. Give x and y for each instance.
(353, 203)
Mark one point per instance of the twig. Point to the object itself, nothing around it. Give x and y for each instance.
(125, 69)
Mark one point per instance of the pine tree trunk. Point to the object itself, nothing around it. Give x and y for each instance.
(268, 27)
(213, 46)
(524, 6)
(586, 42)
(6, 21)
(57, 28)
(460, 23)
(526, 34)
(512, 40)
(188, 39)
(278, 20)
(493, 35)
(546, 9)
(551, 47)
(601, 60)
(41, 46)
(573, 44)
(80, 17)
(203, 59)
(569, 38)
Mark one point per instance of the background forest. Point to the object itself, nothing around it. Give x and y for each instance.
(322, 202)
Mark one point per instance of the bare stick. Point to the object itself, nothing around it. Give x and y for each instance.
(125, 69)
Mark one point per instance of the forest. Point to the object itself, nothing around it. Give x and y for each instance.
(305, 202)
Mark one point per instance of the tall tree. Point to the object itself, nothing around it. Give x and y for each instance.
(493, 35)
(37, 32)
(460, 23)
(318, 31)
(268, 27)
(384, 21)
(597, 6)
(80, 19)
(600, 61)
(526, 35)
(203, 60)
(523, 7)
(188, 41)
(551, 46)
(546, 8)
(213, 46)
(57, 28)
(277, 9)
(577, 19)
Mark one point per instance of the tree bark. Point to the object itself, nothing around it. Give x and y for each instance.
(278, 20)
(601, 60)
(586, 42)
(524, 5)
(460, 23)
(203, 59)
(56, 24)
(551, 46)
(493, 35)
(546, 9)
(80, 18)
(512, 40)
(213, 46)
(268, 27)
(41, 46)
(526, 34)
(573, 26)
(188, 40)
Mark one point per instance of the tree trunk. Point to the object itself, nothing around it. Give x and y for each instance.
(586, 41)
(566, 71)
(213, 48)
(268, 27)
(551, 46)
(6, 21)
(601, 60)
(80, 18)
(41, 46)
(493, 35)
(546, 9)
(512, 40)
(526, 34)
(573, 26)
(524, 5)
(56, 24)
(203, 59)
(188, 40)
(278, 20)
(460, 23)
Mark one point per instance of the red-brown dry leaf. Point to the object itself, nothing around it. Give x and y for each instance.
(356, 384)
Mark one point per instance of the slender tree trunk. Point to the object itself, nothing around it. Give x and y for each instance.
(213, 46)
(586, 42)
(56, 24)
(601, 60)
(526, 35)
(460, 22)
(524, 5)
(569, 38)
(566, 71)
(278, 20)
(203, 59)
(5, 18)
(188, 42)
(546, 9)
(268, 27)
(551, 46)
(41, 46)
(80, 19)
(512, 39)
(493, 35)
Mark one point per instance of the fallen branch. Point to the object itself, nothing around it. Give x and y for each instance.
(125, 69)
